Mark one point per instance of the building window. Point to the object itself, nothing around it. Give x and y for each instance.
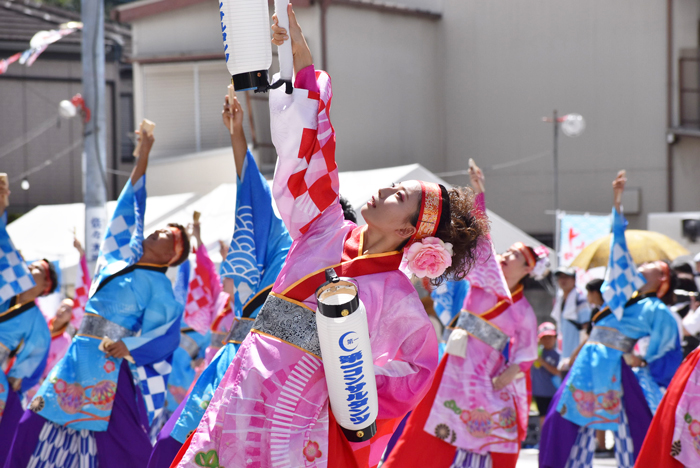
(689, 81)
(126, 114)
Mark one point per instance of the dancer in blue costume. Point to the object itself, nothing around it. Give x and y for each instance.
(95, 406)
(258, 250)
(23, 329)
(448, 300)
(189, 354)
(600, 391)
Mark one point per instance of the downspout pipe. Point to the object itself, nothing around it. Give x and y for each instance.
(669, 104)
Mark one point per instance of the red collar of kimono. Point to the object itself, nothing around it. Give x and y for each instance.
(217, 321)
(503, 305)
(352, 264)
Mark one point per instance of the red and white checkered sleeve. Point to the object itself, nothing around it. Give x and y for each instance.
(306, 176)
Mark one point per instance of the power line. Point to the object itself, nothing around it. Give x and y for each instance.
(24, 139)
(496, 167)
(48, 162)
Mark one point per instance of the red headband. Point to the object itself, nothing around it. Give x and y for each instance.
(47, 278)
(526, 252)
(665, 271)
(430, 211)
(177, 241)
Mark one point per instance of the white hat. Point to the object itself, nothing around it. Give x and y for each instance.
(696, 259)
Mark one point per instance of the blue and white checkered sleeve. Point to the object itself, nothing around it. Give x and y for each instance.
(15, 277)
(124, 236)
(621, 278)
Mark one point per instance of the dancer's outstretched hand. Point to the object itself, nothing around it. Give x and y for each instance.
(300, 49)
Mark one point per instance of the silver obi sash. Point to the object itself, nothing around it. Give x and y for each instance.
(218, 339)
(4, 354)
(612, 338)
(188, 344)
(481, 329)
(289, 322)
(240, 329)
(98, 327)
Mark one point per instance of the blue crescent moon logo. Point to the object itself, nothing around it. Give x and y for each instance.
(342, 339)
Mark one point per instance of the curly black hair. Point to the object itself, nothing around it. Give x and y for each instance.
(348, 210)
(185, 244)
(53, 276)
(461, 225)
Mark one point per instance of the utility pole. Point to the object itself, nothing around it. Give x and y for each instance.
(94, 150)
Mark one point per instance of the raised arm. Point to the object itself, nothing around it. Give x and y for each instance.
(234, 112)
(300, 49)
(618, 189)
(139, 170)
(4, 193)
(306, 176)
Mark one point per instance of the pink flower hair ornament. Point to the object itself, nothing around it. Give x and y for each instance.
(428, 258)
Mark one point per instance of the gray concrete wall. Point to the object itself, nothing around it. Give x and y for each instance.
(388, 103)
(477, 82)
(516, 61)
(185, 31)
(30, 105)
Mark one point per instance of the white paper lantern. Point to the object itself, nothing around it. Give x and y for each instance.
(67, 109)
(573, 125)
(245, 28)
(343, 334)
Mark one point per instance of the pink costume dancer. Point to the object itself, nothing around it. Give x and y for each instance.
(272, 404)
(271, 408)
(464, 421)
(62, 336)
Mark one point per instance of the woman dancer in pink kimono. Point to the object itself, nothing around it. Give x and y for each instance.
(475, 413)
(271, 409)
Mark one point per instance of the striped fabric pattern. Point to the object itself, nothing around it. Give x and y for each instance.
(61, 447)
(467, 459)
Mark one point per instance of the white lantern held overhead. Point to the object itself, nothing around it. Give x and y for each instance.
(343, 333)
(245, 29)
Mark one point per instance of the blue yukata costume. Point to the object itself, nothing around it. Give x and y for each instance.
(192, 347)
(94, 410)
(258, 250)
(23, 330)
(448, 300)
(601, 391)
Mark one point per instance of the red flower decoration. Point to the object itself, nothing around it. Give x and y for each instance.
(109, 366)
(60, 386)
(694, 427)
(504, 396)
(312, 451)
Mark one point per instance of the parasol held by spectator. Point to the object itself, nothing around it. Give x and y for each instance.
(645, 246)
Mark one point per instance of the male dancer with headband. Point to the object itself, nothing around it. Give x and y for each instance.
(23, 329)
(89, 411)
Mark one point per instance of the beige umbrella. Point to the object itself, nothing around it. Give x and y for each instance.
(645, 246)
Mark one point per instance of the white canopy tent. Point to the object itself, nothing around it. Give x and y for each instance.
(47, 230)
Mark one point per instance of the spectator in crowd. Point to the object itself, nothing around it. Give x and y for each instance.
(571, 314)
(546, 378)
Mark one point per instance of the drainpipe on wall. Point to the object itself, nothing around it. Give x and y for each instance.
(324, 56)
(669, 103)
